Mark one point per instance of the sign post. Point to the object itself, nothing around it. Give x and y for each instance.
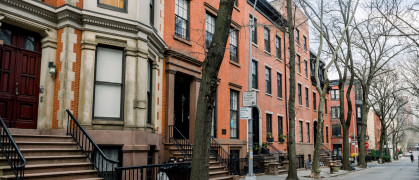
(249, 101)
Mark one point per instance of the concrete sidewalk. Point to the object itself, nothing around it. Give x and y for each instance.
(304, 174)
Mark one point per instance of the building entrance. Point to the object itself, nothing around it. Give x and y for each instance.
(20, 62)
(181, 104)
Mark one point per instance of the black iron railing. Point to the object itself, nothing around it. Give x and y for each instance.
(103, 164)
(156, 172)
(334, 158)
(220, 153)
(177, 138)
(279, 155)
(12, 152)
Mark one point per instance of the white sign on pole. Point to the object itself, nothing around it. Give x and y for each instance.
(353, 143)
(245, 113)
(349, 140)
(249, 98)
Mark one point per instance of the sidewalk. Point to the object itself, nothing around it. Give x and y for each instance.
(304, 174)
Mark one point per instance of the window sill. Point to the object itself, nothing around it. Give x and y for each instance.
(280, 60)
(268, 94)
(281, 142)
(267, 52)
(182, 40)
(107, 122)
(306, 77)
(255, 45)
(298, 44)
(234, 63)
(280, 98)
(300, 105)
(257, 90)
(237, 8)
(299, 73)
(308, 108)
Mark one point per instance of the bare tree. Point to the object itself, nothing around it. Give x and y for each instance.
(317, 19)
(207, 89)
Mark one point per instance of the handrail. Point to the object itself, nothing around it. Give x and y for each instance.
(182, 143)
(101, 162)
(12, 152)
(220, 153)
(156, 171)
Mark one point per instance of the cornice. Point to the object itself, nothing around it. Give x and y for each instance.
(183, 57)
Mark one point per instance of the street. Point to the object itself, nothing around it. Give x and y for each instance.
(402, 169)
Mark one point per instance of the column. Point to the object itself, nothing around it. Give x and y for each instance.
(194, 92)
(170, 101)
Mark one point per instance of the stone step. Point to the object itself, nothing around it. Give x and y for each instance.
(62, 175)
(45, 145)
(222, 178)
(51, 152)
(217, 174)
(42, 138)
(216, 168)
(34, 160)
(44, 168)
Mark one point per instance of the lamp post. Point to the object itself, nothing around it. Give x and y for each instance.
(250, 175)
(353, 121)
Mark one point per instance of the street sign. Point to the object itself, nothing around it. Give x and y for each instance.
(353, 143)
(245, 113)
(366, 145)
(249, 98)
(349, 139)
(349, 136)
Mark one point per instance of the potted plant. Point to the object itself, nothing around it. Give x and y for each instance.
(281, 138)
(256, 148)
(269, 137)
(264, 148)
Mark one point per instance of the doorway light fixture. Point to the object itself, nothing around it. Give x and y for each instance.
(51, 67)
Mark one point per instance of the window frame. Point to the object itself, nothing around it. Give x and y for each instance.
(305, 68)
(232, 47)
(268, 80)
(114, 8)
(279, 84)
(187, 21)
(298, 64)
(336, 130)
(334, 94)
(152, 12)
(327, 134)
(308, 132)
(335, 112)
(301, 131)
(267, 40)
(278, 47)
(268, 124)
(300, 98)
(307, 98)
(305, 43)
(255, 79)
(254, 30)
(314, 101)
(122, 103)
(236, 113)
(150, 93)
(280, 126)
(297, 36)
(207, 42)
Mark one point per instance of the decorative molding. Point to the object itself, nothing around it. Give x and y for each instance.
(31, 8)
(88, 45)
(236, 86)
(111, 41)
(183, 57)
(108, 23)
(170, 71)
(136, 53)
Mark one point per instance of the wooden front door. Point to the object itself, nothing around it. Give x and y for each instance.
(20, 61)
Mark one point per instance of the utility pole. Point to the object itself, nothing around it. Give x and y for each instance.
(250, 175)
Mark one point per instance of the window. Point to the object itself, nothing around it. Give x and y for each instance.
(236, 3)
(210, 28)
(267, 38)
(214, 118)
(280, 128)
(300, 99)
(307, 103)
(109, 84)
(305, 68)
(254, 31)
(279, 84)
(301, 131)
(358, 93)
(298, 64)
(322, 135)
(119, 5)
(278, 47)
(234, 115)
(314, 101)
(149, 91)
(234, 51)
(6, 36)
(308, 132)
(334, 94)
(297, 36)
(337, 149)
(358, 112)
(325, 106)
(335, 112)
(327, 134)
(269, 123)
(305, 43)
(182, 19)
(254, 74)
(152, 12)
(336, 131)
(268, 80)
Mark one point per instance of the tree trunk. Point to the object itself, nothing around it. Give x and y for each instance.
(362, 152)
(381, 141)
(292, 171)
(318, 145)
(345, 149)
(207, 89)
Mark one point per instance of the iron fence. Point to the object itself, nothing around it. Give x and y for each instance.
(12, 152)
(172, 171)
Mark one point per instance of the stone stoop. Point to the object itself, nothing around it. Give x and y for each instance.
(49, 156)
(216, 170)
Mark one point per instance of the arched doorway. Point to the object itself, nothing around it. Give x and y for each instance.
(20, 57)
(255, 125)
(315, 132)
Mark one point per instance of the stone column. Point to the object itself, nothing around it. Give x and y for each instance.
(130, 88)
(170, 101)
(46, 83)
(141, 92)
(194, 92)
(87, 72)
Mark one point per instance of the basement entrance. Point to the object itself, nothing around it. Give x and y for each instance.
(20, 61)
